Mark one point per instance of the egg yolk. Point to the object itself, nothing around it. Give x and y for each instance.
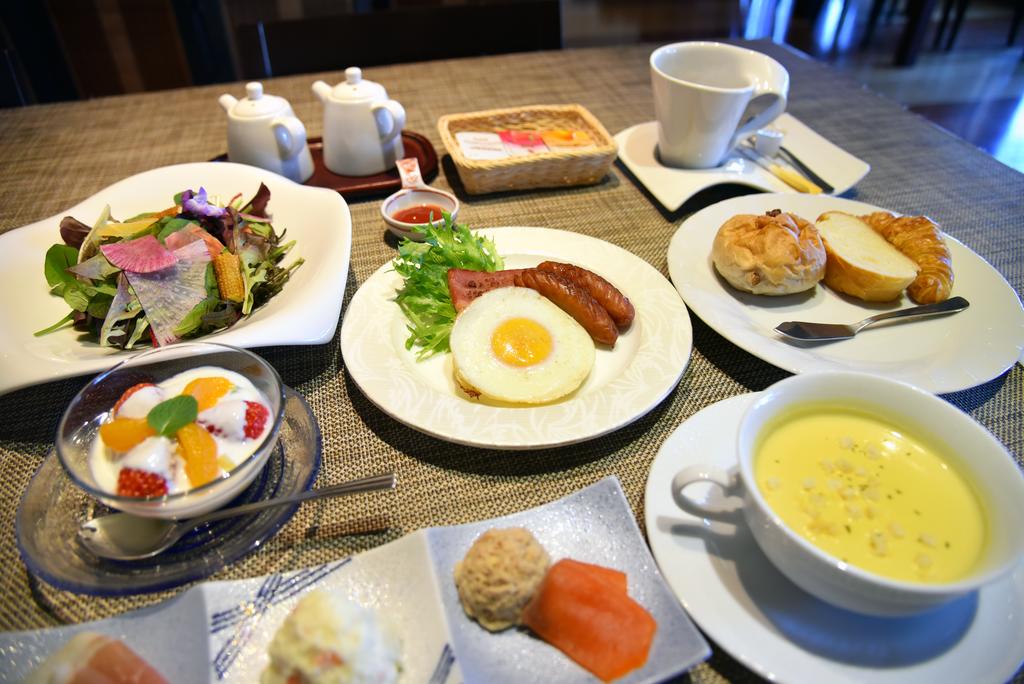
(521, 342)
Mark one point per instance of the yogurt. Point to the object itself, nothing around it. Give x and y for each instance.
(229, 421)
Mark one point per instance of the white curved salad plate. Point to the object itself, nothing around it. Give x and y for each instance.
(626, 382)
(944, 354)
(745, 605)
(306, 311)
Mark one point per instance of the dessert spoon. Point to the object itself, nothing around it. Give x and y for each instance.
(120, 536)
(822, 332)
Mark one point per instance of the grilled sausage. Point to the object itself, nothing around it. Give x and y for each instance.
(573, 300)
(607, 295)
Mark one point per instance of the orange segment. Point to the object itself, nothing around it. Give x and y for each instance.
(208, 391)
(199, 450)
(122, 434)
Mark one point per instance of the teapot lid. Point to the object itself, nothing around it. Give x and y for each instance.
(257, 104)
(355, 89)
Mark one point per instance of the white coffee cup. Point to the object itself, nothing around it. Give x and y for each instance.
(969, 448)
(709, 96)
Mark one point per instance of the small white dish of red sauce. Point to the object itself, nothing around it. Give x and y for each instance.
(411, 207)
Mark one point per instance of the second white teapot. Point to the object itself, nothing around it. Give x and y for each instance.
(362, 127)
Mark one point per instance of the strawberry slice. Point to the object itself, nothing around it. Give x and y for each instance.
(256, 415)
(129, 392)
(140, 483)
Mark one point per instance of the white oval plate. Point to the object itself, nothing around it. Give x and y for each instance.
(626, 382)
(945, 354)
(740, 601)
(305, 312)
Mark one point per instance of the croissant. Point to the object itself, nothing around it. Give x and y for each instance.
(919, 238)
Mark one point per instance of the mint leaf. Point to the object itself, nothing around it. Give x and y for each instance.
(171, 415)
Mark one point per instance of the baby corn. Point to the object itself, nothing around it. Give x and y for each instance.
(227, 268)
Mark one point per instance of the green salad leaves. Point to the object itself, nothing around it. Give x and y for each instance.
(161, 276)
(424, 297)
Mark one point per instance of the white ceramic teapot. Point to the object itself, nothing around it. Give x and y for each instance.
(362, 127)
(263, 131)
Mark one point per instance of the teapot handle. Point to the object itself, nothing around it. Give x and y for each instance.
(395, 114)
(290, 135)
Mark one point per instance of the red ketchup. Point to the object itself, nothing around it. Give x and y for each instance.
(418, 214)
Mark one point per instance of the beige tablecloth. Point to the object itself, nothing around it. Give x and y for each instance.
(55, 155)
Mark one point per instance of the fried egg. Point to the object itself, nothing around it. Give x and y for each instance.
(513, 344)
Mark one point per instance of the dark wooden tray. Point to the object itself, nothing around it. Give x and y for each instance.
(351, 187)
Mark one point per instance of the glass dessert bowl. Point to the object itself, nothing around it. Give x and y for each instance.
(173, 432)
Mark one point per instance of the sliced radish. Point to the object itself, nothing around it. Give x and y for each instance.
(141, 255)
(167, 296)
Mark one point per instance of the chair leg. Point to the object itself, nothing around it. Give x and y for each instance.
(961, 10)
(873, 17)
(947, 9)
(268, 70)
(1018, 14)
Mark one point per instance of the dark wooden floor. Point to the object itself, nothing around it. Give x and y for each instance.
(975, 90)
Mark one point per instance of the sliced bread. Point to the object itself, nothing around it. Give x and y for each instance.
(860, 262)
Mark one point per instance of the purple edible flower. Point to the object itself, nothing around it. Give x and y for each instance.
(197, 205)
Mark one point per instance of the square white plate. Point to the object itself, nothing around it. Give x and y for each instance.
(671, 187)
(225, 627)
(305, 312)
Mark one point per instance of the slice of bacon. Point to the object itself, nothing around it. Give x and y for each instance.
(465, 286)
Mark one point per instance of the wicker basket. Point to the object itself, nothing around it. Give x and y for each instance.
(543, 170)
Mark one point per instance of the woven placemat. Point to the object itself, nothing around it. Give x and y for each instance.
(56, 155)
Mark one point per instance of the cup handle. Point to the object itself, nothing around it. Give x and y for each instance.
(290, 135)
(395, 114)
(770, 113)
(727, 480)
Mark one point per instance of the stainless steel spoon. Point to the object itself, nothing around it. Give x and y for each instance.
(821, 332)
(121, 536)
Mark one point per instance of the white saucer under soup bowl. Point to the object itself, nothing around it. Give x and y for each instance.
(965, 446)
(79, 427)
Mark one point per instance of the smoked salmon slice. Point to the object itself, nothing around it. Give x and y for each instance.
(587, 614)
(616, 579)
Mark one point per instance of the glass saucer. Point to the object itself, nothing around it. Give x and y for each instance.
(53, 508)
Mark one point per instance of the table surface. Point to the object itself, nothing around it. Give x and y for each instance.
(56, 155)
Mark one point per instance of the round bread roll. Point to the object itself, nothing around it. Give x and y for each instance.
(773, 254)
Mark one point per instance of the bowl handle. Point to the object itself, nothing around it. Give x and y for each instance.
(727, 480)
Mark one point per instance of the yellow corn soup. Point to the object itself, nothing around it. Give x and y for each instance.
(870, 494)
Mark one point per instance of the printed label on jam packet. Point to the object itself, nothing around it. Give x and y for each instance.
(567, 138)
(521, 143)
(480, 146)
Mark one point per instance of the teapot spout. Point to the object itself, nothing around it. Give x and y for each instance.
(227, 102)
(322, 90)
